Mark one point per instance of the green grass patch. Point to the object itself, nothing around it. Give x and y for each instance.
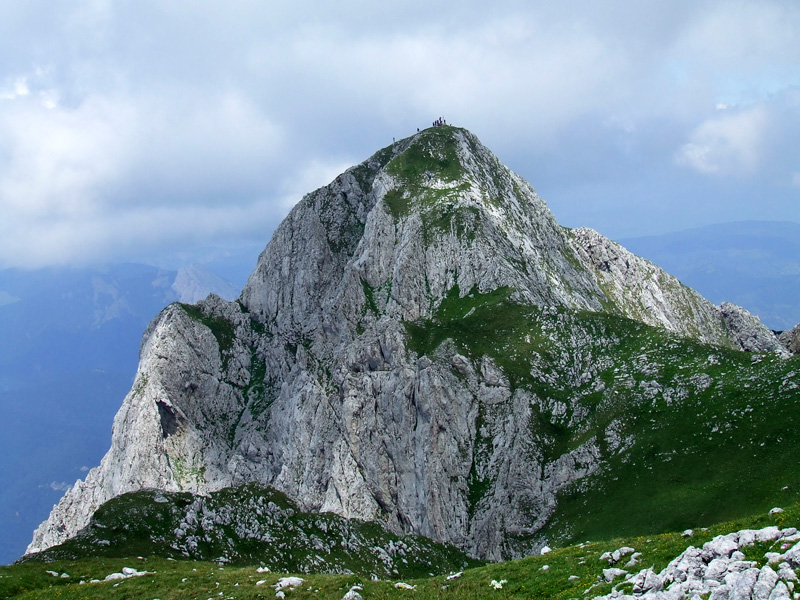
(431, 155)
(224, 330)
(260, 393)
(570, 572)
(369, 294)
(450, 217)
(433, 152)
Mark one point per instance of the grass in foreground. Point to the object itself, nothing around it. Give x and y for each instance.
(570, 572)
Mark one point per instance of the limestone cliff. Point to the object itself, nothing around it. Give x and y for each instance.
(310, 382)
(642, 291)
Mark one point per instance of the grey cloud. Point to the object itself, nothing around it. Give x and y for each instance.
(174, 125)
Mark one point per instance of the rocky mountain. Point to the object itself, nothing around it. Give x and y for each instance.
(791, 339)
(194, 282)
(422, 345)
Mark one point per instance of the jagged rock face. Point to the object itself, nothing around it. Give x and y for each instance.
(642, 291)
(411, 237)
(791, 339)
(749, 333)
(307, 383)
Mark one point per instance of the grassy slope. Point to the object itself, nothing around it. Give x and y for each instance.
(251, 524)
(173, 580)
(432, 154)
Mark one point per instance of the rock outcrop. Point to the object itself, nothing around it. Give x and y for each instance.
(249, 525)
(749, 333)
(791, 339)
(719, 570)
(644, 292)
(309, 384)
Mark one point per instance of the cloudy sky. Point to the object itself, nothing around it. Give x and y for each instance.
(170, 131)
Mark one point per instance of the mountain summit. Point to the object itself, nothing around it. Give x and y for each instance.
(420, 344)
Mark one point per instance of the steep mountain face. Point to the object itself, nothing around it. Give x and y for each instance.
(642, 291)
(791, 339)
(420, 344)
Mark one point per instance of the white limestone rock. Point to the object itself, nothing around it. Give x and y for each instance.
(716, 571)
(748, 332)
(791, 339)
(642, 291)
(792, 556)
(612, 573)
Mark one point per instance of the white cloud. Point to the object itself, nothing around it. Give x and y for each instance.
(309, 178)
(112, 171)
(731, 144)
(48, 99)
(17, 89)
(743, 50)
(57, 486)
(512, 73)
(59, 159)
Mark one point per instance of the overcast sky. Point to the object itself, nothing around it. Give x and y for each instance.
(166, 131)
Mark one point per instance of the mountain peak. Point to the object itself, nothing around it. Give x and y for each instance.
(420, 216)
(194, 282)
(420, 343)
(434, 153)
(440, 165)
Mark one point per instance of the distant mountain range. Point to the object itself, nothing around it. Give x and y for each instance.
(68, 354)
(755, 264)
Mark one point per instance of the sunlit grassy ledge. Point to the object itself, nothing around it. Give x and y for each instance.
(563, 573)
